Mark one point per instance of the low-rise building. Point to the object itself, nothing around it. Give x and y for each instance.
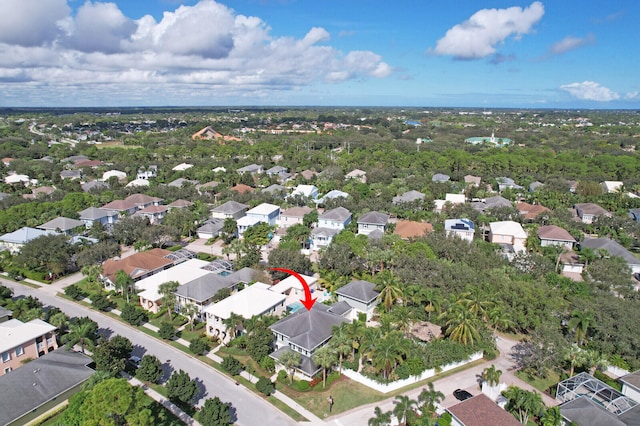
(361, 296)
(14, 241)
(461, 228)
(293, 216)
(587, 212)
(20, 341)
(408, 229)
(551, 235)
(508, 232)
(480, 411)
(137, 266)
(265, 212)
(63, 224)
(372, 221)
(229, 210)
(91, 215)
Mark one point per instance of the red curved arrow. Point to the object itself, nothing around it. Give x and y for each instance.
(308, 301)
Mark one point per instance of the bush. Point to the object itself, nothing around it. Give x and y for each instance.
(101, 302)
(490, 354)
(200, 345)
(268, 364)
(265, 386)
(608, 380)
(167, 331)
(231, 365)
(282, 376)
(133, 314)
(411, 367)
(301, 385)
(239, 342)
(351, 365)
(75, 292)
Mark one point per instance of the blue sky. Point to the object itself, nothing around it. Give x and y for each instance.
(523, 54)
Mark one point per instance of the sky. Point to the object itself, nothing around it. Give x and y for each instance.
(582, 54)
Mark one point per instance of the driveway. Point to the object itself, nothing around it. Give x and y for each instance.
(250, 408)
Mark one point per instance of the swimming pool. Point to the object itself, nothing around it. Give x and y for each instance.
(295, 307)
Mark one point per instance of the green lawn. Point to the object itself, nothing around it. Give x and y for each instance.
(540, 383)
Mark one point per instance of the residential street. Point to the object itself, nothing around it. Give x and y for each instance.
(251, 409)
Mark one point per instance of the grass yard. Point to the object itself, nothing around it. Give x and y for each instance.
(540, 383)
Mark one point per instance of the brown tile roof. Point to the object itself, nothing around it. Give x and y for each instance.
(181, 203)
(481, 411)
(153, 209)
(88, 163)
(296, 211)
(411, 229)
(242, 188)
(552, 232)
(137, 264)
(531, 211)
(119, 205)
(138, 199)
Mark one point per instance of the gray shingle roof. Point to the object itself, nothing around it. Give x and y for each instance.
(586, 412)
(374, 218)
(230, 207)
(94, 213)
(205, 287)
(340, 308)
(4, 312)
(40, 381)
(306, 363)
(612, 247)
(324, 232)
(61, 223)
(339, 214)
(213, 226)
(245, 275)
(308, 329)
(362, 291)
(408, 197)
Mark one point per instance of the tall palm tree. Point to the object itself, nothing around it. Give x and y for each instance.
(370, 337)
(388, 353)
(462, 325)
(340, 344)
(575, 356)
(491, 375)
(552, 417)
(92, 272)
(429, 398)
(59, 320)
(475, 302)
(190, 311)
(390, 290)
(498, 319)
(433, 300)
(232, 323)
(402, 318)
(380, 418)
(523, 404)
(82, 333)
(326, 358)
(167, 290)
(579, 323)
(123, 283)
(290, 360)
(355, 331)
(404, 409)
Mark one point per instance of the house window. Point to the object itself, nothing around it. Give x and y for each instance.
(7, 370)
(19, 351)
(6, 356)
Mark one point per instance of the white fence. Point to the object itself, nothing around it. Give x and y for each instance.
(390, 387)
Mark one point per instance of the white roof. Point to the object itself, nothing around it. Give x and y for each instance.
(253, 300)
(305, 190)
(182, 166)
(508, 227)
(219, 169)
(112, 173)
(248, 221)
(263, 209)
(455, 198)
(138, 182)
(182, 273)
(15, 332)
(16, 178)
(292, 282)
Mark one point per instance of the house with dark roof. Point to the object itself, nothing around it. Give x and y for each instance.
(480, 411)
(491, 203)
(178, 183)
(200, 291)
(275, 190)
(371, 221)
(361, 296)
(94, 185)
(210, 229)
(276, 171)
(91, 215)
(614, 249)
(507, 183)
(304, 332)
(63, 224)
(408, 197)
(230, 209)
(251, 169)
(440, 177)
(122, 206)
(551, 235)
(330, 223)
(5, 314)
(43, 385)
(71, 174)
(587, 212)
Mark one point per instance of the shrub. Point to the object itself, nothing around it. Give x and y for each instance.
(301, 385)
(74, 292)
(608, 380)
(239, 342)
(231, 365)
(150, 369)
(411, 367)
(268, 364)
(101, 302)
(133, 314)
(167, 331)
(351, 365)
(282, 376)
(265, 386)
(200, 345)
(317, 379)
(490, 354)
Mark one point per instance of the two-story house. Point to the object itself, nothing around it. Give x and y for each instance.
(372, 221)
(142, 201)
(551, 235)
(293, 216)
(251, 169)
(361, 296)
(20, 341)
(201, 291)
(265, 212)
(155, 214)
(587, 212)
(137, 266)
(461, 228)
(330, 223)
(306, 191)
(123, 207)
(91, 215)
(64, 225)
(508, 233)
(229, 210)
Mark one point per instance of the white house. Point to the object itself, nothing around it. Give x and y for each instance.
(114, 173)
(307, 191)
(15, 240)
(245, 223)
(265, 212)
(92, 215)
(461, 228)
(587, 212)
(337, 218)
(293, 290)
(361, 296)
(254, 300)
(372, 221)
(182, 167)
(631, 385)
(334, 193)
(611, 186)
(508, 232)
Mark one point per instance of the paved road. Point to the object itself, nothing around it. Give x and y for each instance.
(251, 409)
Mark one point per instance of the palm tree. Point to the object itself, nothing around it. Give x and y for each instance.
(325, 357)
(354, 331)
(474, 301)
(551, 417)
(190, 311)
(370, 337)
(575, 356)
(232, 323)
(462, 325)
(59, 320)
(390, 290)
(290, 360)
(523, 404)
(380, 418)
(81, 332)
(167, 290)
(388, 353)
(404, 409)
(579, 323)
(402, 318)
(498, 319)
(340, 344)
(432, 299)
(429, 398)
(92, 272)
(491, 375)
(123, 283)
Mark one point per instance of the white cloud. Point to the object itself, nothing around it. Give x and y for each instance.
(31, 22)
(590, 91)
(478, 36)
(570, 43)
(632, 95)
(206, 48)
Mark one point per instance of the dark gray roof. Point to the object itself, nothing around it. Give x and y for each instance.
(213, 226)
(362, 291)
(589, 208)
(408, 197)
(491, 202)
(339, 214)
(40, 381)
(306, 363)
(340, 308)
(94, 184)
(4, 312)
(612, 247)
(440, 177)
(61, 223)
(205, 287)
(376, 234)
(631, 379)
(245, 275)
(308, 329)
(631, 417)
(230, 207)
(375, 218)
(274, 188)
(585, 412)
